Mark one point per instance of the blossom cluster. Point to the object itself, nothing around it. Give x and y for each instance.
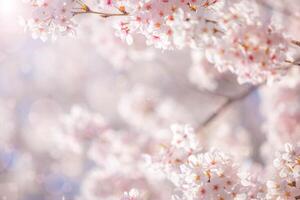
(199, 174)
(257, 54)
(51, 18)
(231, 33)
(286, 182)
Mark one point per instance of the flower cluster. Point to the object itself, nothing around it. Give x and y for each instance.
(231, 33)
(52, 17)
(255, 53)
(286, 182)
(168, 24)
(197, 174)
(214, 175)
(184, 143)
(210, 175)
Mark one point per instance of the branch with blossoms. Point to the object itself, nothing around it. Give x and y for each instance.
(212, 174)
(232, 36)
(85, 9)
(145, 65)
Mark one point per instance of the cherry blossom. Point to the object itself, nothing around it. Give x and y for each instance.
(51, 17)
(255, 53)
(286, 184)
(232, 33)
(197, 174)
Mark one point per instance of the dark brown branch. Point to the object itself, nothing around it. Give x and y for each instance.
(295, 42)
(226, 104)
(293, 63)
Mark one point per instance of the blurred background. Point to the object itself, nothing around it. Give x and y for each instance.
(94, 82)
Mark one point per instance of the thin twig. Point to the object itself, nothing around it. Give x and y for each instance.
(85, 9)
(101, 14)
(293, 63)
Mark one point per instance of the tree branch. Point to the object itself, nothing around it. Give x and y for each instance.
(296, 42)
(226, 104)
(101, 14)
(85, 9)
(293, 63)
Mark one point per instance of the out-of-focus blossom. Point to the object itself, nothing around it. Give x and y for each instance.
(145, 108)
(281, 108)
(232, 140)
(7, 125)
(203, 73)
(120, 165)
(103, 39)
(83, 125)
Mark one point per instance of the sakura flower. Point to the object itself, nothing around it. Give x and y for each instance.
(286, 183)
(253, 179)
(255, 53)
(288, 161)
(51, 18)
(283, 190)
(173, 155)
(197, 175)
(213, 176)
(168, 24)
